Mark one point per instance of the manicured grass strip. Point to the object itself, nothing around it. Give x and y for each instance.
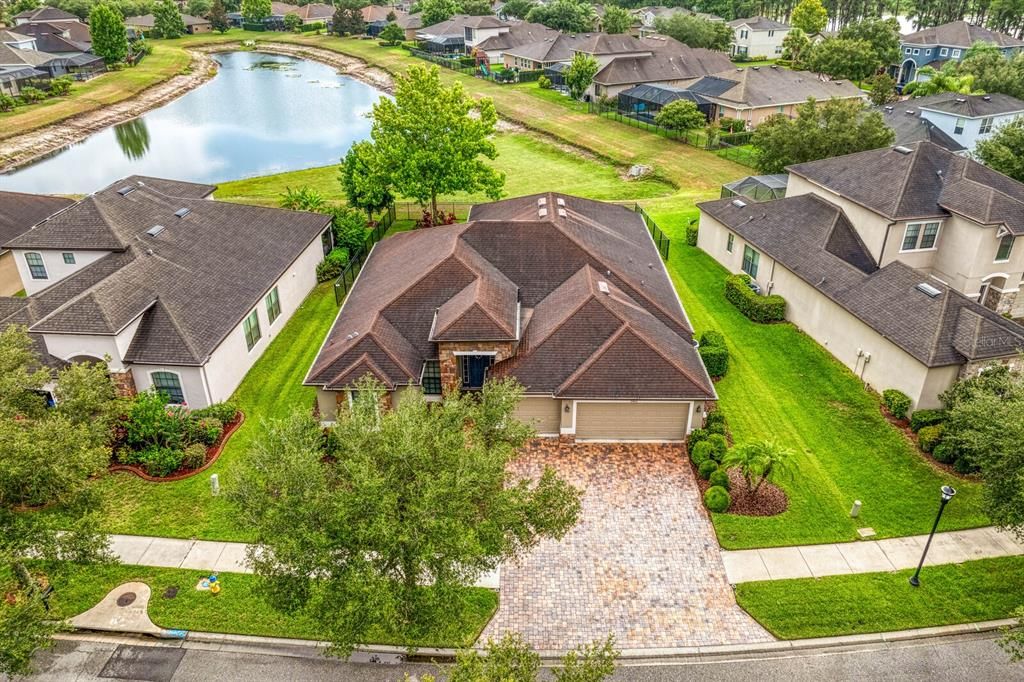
(987, 589)
(238, 609)
(782, 385)
(272, 388)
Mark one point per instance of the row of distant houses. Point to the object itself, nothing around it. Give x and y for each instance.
(45, 43)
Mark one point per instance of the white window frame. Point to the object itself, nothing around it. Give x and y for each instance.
(917, 51)
(944, 52)
(181, 384)
(959, 125)
(729, 242)
(986, 125)
(907, 51)
(266, 300)
(920, 236)
(956, 53)
(755, 261)
(1009, 253)
(41, 264)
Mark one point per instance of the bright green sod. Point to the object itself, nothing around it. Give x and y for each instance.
(238, 609)
(531, 164)
(273, 387)
(782, 385)
(987, 589)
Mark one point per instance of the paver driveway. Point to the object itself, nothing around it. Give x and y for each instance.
(642, 564)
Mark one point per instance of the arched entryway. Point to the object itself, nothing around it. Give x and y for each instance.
(75, 359)
(992, 291)
(908, 70)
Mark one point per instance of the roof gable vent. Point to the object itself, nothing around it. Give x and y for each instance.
(738, 203)
(155, 230)
(126, 190)
(902, 150)
(182, 212)
(928, 290)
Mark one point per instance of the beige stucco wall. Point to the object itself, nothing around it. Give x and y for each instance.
(327, 401)
(10, 278)
(543, 414)
(56, 268)
(192, 384)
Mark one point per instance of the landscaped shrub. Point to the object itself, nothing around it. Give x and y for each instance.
(712, 338)
(60, 86)
(701, 452)
(160, 461)
(732, 125)
(923, 418)
(194, 456)
(706, 468)
(7, 103)
(222, 412)
(719, 445)
(758, 308)
(944, 452)
(714, 422)
(691, 235)
(696, 436)
(332, 265)
(719, 477)
(30, 95)
(204, 431)
(962, 465)
(153, 423)
(930, 436)
(897, 402)
(716, 359)
(716, 499)
(544, 83)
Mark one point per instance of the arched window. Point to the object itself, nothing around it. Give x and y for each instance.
(169, 384)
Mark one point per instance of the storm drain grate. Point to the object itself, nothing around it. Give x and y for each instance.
(149, 663)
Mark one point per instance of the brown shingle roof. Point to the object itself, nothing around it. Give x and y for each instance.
(672, 62)
(960, 34)
(767, 86)
(19, 212)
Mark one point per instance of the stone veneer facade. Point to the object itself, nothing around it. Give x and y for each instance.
(124, 383)
(449, 363)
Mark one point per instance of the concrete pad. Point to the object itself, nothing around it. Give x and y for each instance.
(784, 563)
(232, 559)
(825, 560)
(981, 543)
(902, 552)
(129, 548)
(744, 566)
(110, 616)
(865, 557)
(203, 555)
(946, 550)
(166, 552)
(1013, 545)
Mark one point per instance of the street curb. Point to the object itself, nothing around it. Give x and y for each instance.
(308, 647)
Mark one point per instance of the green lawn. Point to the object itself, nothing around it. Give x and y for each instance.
(238, 609)
(987, 589)
(782, 385)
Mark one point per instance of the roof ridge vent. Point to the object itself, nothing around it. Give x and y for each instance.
(928, 290)
(987, 98)
(182, 212)
(155, 230)
(961, 100)
(560, 201)
(562, 213)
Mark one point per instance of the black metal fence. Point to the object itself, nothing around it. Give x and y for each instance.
(410, 210)
(660, 240)
(347, 278)
(466, 65)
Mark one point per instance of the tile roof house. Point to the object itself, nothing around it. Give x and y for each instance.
(174, 289)
(18, 213)
(567, 295)
(949, 42)
(878, 255)
(757, 37)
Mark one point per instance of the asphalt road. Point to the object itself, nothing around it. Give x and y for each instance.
(973, 657)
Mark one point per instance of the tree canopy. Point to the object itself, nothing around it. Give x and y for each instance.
(436, 11)
(616, 19)
(512, 660)
(947, 79)
(844, 58)
(517, 9)
(580, 74)
(392, 34)
(219, 17)
(570, 16)
(366, 186)
(109, 39)
(1004, 150)
(400, 511)
(819, 131)
(810, 16)
(796, 47)
(255, 11)
(695, 31)
(882, 34)
(167, 19)
(681, 114)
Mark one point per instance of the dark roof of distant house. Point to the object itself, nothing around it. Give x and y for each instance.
(921, 180)
(17, 56)
(77, 32)
(555, 48)
(282, 8)
(46, 14)
(149, 21)
(318, 10)
(760, 24)
(604, 43)
(191, 282)
(660, 94)
(7, 36)
(814, 239)
(910, 127)
(379, 12)
(763, 87)
(971, 106)
(19, 212)
(410, 21)
(672, 62)
(457, 24)
(533, 268)
(525, 36)
(960, 34)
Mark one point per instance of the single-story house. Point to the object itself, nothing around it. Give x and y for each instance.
(411, 24)
(757, 37)
(316, 12)
(146, 22)
(568, 296)
(44, 14)
(59, 39)
(894, 326)
(755, 93)
(171, 289)
(18, 213)
(556, 49)
(653, 60)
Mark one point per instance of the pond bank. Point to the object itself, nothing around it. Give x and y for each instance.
(23, 149)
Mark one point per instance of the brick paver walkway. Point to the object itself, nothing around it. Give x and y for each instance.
(642, 564)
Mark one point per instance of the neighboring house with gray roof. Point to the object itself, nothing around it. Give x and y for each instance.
(894, 325)
(653, 60)
(968, 119)
(753, 94)
(147, 22)
(568, 296)
(949, 42)
(757, 37)
(169, 287)
(911, 125)
(18, 213)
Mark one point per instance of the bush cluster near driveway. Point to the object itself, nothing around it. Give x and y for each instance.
(783, 386)
(986, 589)
(238, 609)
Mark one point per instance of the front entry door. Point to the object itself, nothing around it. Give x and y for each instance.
(474, 370)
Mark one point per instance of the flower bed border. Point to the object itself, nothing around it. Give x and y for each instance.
(218, 447)
(903, 426)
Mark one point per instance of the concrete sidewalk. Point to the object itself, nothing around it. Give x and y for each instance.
(205, 555)
(875, 556)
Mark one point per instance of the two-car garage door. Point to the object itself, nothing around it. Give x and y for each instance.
(631, 421)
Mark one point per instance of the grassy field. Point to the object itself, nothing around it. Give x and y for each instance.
(987, 589)
(238, 609)
(165, 62)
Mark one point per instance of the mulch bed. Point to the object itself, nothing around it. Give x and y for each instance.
(769, 501)
(903, 426)
(212, 453)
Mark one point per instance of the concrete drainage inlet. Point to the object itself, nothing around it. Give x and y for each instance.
(126, 599)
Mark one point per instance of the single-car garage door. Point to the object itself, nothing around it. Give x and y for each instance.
(541, 413)
(631, 421)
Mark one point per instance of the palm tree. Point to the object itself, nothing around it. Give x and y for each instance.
(757, 461)
(946, 80)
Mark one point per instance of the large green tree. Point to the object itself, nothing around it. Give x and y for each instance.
(109, 38)
(616, 19)
(695, 31)
(426, 142)
(219, 17)
(364, 179)
(570, 16)
(517, 9)
(1004, 150)
(681, 114)
(946, 79)
(796, 47)
(387, 524)
(167, 20)
(992, 72)
(198, 8)
(255, 11)
(819, 131)
(844, 58)
(436, 11)
(47, 456)
(810, 16)
(580, 74)
(392, 34)
(882, 34)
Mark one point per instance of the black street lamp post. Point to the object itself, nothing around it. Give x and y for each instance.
(947, 494)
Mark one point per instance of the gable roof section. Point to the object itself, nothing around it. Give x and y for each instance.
(769, 86)
(20, 211)
(910, 127)
(759, 24)
(46, 14)
(960, 34)
(971, 106)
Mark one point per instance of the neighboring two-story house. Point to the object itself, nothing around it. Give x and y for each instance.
(171, 289)
(568, 296)
(898, 260)
(949, 42)
(757, 37)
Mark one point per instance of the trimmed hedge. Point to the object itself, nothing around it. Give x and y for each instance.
(714, 353)
(944, 452)
(719, 478)
(691, 235)
(254, 26)
(702, 452)
(897, 402)
(315, 26)
(923, 418)
(714, 422)
(930, 436)
(716, 499)
(756, 307)
(706, 468)
(696, 436)
(712, 338)
(718, 446)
